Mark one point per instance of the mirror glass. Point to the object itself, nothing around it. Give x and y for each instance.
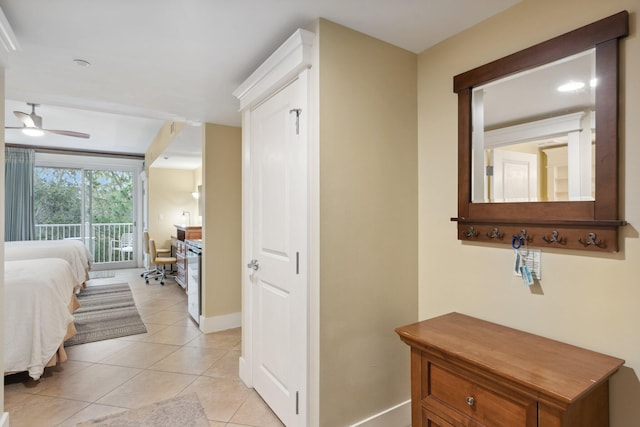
(533, 134)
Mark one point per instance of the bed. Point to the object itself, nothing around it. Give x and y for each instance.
(73, 251)
(37, 313)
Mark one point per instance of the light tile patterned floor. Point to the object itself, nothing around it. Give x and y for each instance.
(172, 358)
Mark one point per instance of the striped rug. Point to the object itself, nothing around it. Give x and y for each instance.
(106, 311)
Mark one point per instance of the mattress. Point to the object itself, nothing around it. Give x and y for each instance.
(73, 251)
(37, 317)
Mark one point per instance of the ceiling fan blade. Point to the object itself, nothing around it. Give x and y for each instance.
(33, 121)
(25, 118)
(67, 133)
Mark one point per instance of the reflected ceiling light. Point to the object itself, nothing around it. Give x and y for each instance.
(32, 131)
(195, 195)
(570, 86)
(593, 82)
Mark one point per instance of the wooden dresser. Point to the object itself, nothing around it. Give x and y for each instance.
(469, 372)
(188, 232)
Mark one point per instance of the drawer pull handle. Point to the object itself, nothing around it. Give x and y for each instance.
(470, 400)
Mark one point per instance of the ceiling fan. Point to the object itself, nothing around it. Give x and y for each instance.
(32, 125)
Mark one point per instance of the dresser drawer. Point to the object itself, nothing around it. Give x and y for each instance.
(432, 420)
(455, 396)
(181, 248)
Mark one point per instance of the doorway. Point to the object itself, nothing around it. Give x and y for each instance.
(95, 204)
(515, 176)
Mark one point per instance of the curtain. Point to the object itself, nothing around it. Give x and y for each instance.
(19, 222)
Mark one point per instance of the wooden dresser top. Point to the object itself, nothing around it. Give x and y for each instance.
(555, 369)
(188, 227)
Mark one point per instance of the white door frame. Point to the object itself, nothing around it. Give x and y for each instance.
(290, 61)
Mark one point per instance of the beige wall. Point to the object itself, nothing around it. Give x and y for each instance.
(169, 194)
(166, 134)
(590, 300)
(368, 222)
(168, 190)
(222, 182)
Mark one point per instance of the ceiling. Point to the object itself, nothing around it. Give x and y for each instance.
(158, 60)
(539, 87)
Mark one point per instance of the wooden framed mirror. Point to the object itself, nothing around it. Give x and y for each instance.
(586, 215)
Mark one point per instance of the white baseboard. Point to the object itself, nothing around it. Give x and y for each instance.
(220, 323)
(244, 373)
(396, 416)
(4, 420)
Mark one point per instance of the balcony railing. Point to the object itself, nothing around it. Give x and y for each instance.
(105, 241)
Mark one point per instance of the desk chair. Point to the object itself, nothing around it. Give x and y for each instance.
(152, 272)
(160, 262)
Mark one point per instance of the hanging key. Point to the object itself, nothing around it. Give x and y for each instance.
(297, 111)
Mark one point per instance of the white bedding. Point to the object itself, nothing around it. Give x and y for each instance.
(73, 251)
(36, 312)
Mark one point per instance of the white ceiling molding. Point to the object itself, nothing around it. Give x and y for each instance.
(284, 64)
(8, 40)
(535, 130)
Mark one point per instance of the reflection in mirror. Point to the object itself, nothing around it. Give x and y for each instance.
(533, 135)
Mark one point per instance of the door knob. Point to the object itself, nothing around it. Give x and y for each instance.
(253, 264)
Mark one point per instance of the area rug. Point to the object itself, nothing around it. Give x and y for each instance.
(180, 411)
(106, 311)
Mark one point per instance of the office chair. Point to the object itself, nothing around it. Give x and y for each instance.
(152, 272)
(160, 262)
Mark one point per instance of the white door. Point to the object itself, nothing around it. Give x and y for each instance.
(515, 176)
(279, 249)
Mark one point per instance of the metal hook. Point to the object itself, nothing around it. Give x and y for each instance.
(495, 234)
(522, 236)
(471, 233)
(518, 240)
(591, 240)
(555, 238)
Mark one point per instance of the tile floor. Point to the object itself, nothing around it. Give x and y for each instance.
(172, 358)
